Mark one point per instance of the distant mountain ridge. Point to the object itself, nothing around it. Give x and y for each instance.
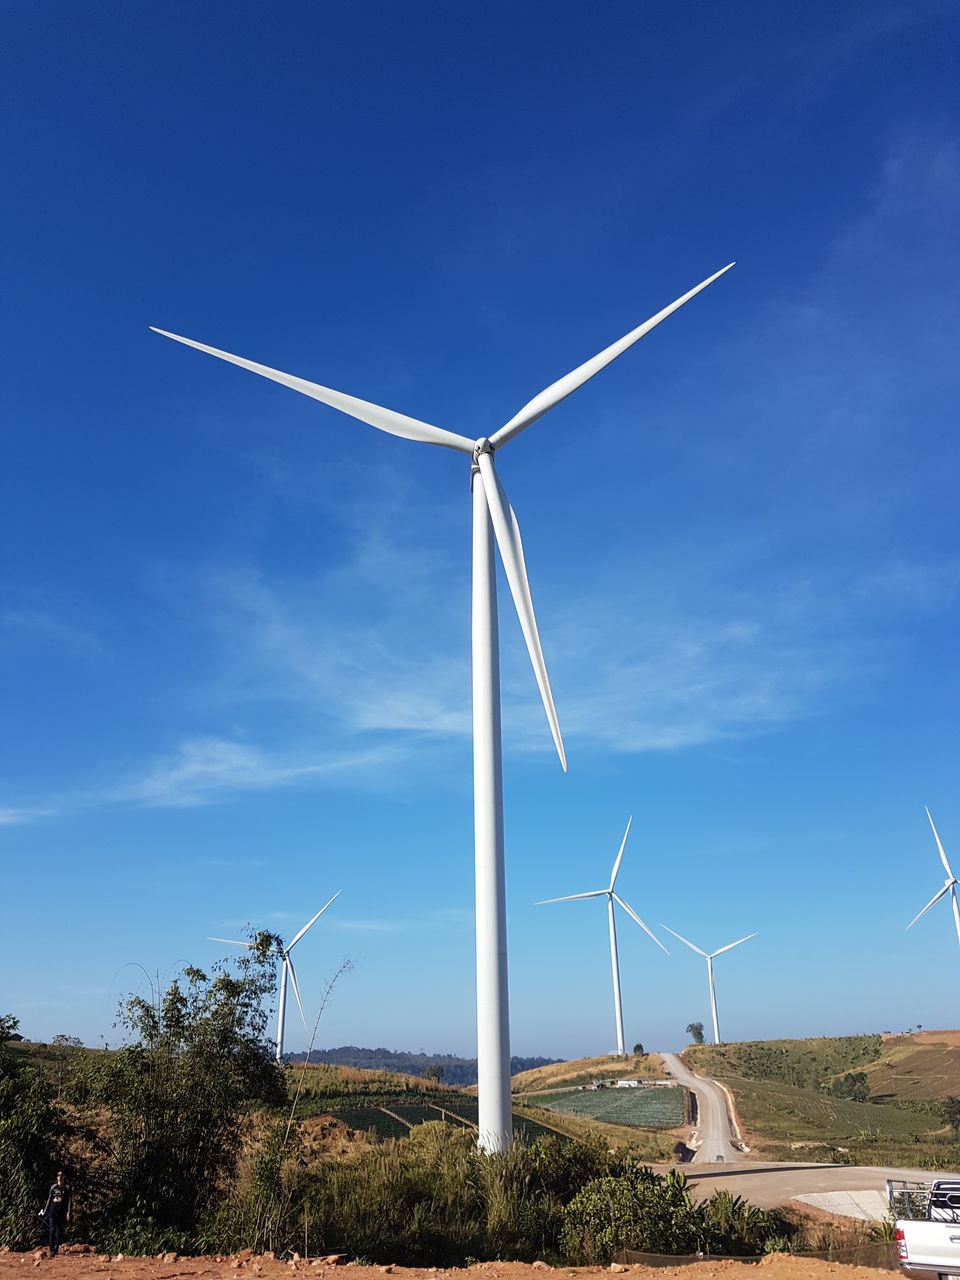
(455, 1070)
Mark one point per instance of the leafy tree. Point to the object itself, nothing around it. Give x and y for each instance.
(177, 1094)
(852, 1086)
(695, 1029)
(951, 1113)
(27, 1129)
(65, 1051)
(433, 1073)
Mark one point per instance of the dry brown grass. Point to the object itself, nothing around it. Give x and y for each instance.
(925, 1037)
(925, 1066)
(318, 1074)
(582, 1070)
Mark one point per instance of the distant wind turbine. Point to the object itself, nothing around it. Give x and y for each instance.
(950, 885)
(286, 968)
(611, 898)
(493, 516)
(710, 957)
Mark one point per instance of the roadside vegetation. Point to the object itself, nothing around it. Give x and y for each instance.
(846, 1099)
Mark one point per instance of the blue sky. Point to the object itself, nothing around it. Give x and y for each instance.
(234, 625)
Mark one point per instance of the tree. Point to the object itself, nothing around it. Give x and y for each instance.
(433, 1073)
(638, 1050)
(951, 1113)
(27, 1131)
(177, 1094)
(65, 1050)
(695, 1029)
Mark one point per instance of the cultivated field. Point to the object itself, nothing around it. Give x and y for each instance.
(382, 1104)
(661, 1107)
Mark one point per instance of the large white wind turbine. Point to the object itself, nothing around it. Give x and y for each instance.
(950, 886)
(492, 517)
(611, 898)
(710, 956)
(286, 968)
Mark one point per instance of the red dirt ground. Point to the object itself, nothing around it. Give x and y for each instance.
(71, 1264)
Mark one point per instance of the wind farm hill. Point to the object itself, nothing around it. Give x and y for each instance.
(863, 1100)
(577, 1071)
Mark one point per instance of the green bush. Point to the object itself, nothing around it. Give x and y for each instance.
(637, 1210)
(176, 1098)
(650, 1214)
(28, 1127)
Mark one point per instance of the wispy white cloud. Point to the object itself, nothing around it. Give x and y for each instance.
(14, 817)
(202, 769)
(391, 670)
(33, 626)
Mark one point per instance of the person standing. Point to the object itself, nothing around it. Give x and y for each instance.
(57, 1210)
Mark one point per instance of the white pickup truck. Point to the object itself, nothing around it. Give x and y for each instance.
(927, 1226)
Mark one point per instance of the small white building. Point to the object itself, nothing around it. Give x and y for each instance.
(627, 1084)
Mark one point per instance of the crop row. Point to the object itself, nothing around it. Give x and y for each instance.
(660, 1108)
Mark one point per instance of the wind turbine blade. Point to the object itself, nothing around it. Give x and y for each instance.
(573, 897)
(935, 898)
(943, 856)
(233, 942)
(685, 941)
(623, 845)
(311, 923)
(511, 553)
(397, 424)
(730, 945)
(563, 387)
(633, 915)
(296, 989)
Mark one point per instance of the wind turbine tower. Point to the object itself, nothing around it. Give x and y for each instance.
(950, 886)
(611, 898)
(710, 957)
(493, 517)
(286, 962)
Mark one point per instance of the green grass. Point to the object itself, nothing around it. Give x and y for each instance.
(657, 1108)
(782, 1090)
(806, 1064)
(784, 1113)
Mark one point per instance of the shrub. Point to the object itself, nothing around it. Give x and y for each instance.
(176, 1098)
(27, 1130)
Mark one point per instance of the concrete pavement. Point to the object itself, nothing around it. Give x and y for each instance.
(715, 1139)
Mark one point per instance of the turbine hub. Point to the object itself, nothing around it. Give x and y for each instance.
(483, 445)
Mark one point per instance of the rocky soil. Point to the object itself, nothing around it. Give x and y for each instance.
(75, 1262)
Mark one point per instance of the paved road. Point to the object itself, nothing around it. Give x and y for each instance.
(714, 1134)
(768, 1185)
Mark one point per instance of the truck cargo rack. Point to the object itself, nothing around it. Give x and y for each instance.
(921, 1202)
